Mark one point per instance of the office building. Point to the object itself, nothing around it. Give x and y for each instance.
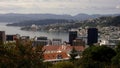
(78, 42)
(10, 37)
(92, 36)
(41, 41)
(25, 37)
(2, 37)
(72, 36)
(56, 41)
(42, 38)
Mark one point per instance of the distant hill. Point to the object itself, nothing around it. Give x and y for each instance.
(103, 21)
(106, 20)
(65, 25)
(14, 17)
(40, 22)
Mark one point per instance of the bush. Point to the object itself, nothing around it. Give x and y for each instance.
(63, 65)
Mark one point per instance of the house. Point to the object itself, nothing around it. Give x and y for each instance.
(55, 53)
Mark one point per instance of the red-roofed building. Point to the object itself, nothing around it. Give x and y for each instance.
(59, 53)
(55, 56)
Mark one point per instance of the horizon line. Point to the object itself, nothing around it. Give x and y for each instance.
(65, 14)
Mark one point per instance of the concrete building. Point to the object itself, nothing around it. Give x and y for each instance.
(56, 41)
(11, 37)
(40, 41)
(92, 36)
(112, 43)
(78, 42)
(2, 37)
(72, 36)
(25, 37)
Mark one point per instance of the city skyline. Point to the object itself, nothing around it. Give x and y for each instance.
(71, 7)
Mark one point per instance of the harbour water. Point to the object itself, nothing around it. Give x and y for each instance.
(16, 30)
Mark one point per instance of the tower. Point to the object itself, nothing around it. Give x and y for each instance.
(72, 36)
(92, 36)
(2, 37)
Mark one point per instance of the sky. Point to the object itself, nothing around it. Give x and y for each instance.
(71, 7)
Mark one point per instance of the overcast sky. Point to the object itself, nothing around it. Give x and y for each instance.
(60, 6)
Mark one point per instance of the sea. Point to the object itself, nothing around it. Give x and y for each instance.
(10, 30)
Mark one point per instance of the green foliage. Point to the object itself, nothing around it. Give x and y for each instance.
(99, 54)
(96, 57)
(47, 65)
(63, 65)
(118, 48)
(20, 55)
(116, 59)
(73, 54)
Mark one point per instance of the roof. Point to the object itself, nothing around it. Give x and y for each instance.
(52, 52)
(50, 48)
(51, 56)
(63, 48)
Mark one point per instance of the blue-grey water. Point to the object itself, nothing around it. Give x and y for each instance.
(32, 34)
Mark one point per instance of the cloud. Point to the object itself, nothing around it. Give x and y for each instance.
(118, 7)
(59, 6)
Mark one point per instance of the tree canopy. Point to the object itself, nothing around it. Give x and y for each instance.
(20, 56)
(96, 56)
(99, 53)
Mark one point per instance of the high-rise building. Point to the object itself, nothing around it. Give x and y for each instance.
(56, 41)
(25, 37)
(2, 37)
(41, 41)
(78, 42)
(42, 38)
(72, 36)
(92, 36)
(10, 37)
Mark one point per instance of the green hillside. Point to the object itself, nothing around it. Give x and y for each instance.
(103, 21)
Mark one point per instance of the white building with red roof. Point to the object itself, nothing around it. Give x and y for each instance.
(55, 53)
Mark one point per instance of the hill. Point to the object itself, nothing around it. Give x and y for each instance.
(13, 17)
(65, 25)
(103, 21)
(40, 22)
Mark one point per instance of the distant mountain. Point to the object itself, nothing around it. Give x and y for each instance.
(14, 17)
(85, 16)
(103, 21)
(40, 22)
(65, 25)
(11, 17)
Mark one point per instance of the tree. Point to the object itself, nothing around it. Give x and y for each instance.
(47, 65)
(118, 48)
(100, 53)
(96, 56)
(63, 65)
(73, 53)
(20, 55)
(116, 59)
